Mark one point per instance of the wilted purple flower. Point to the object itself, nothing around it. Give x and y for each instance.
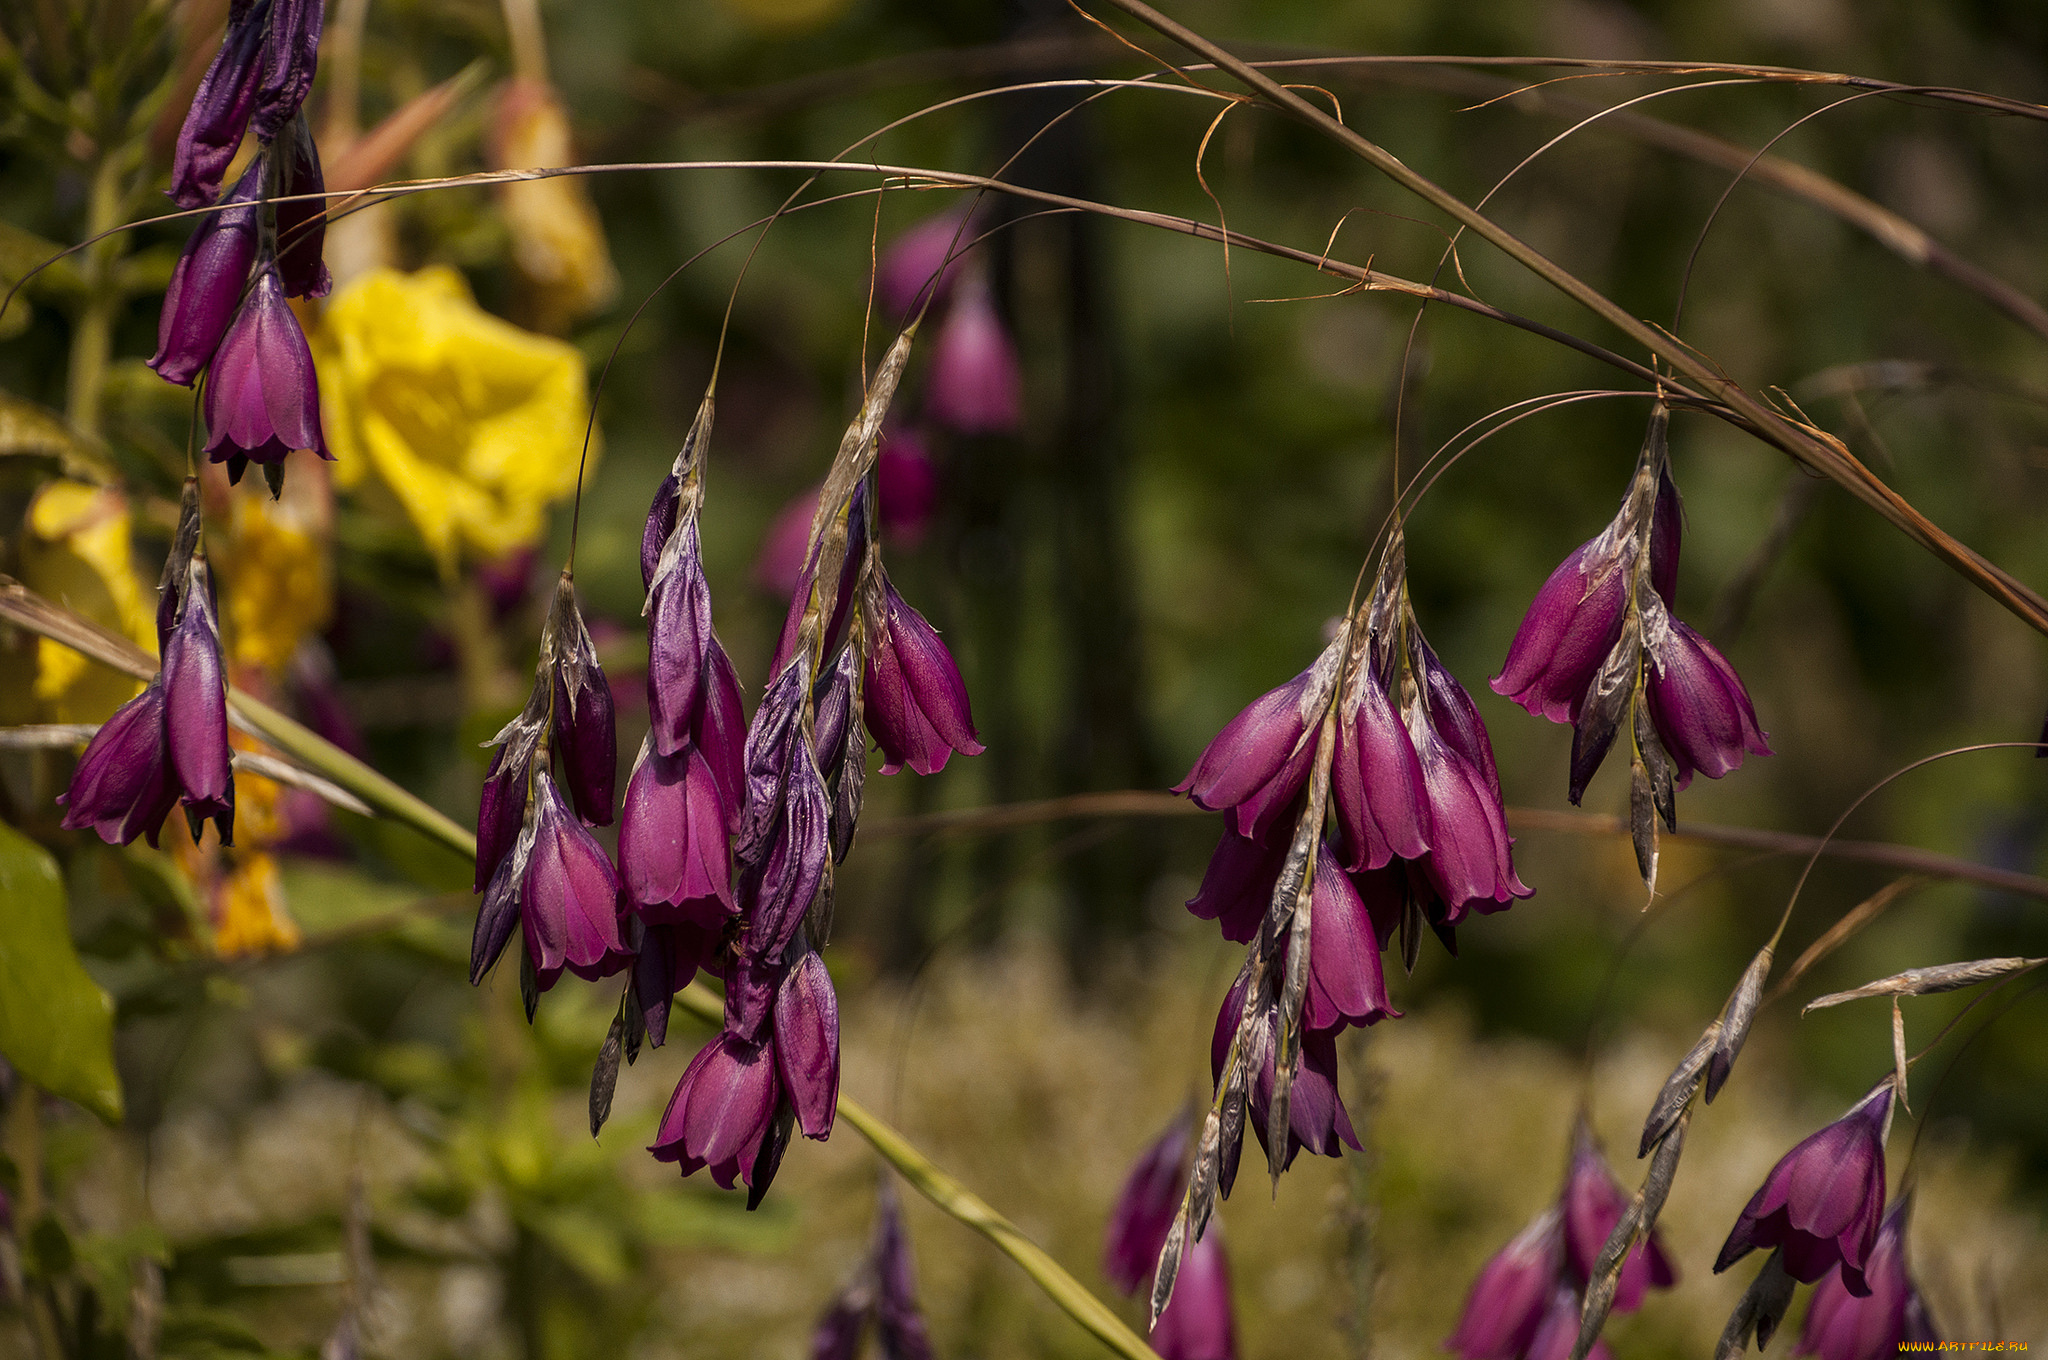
(1513, 1292)
(723, 1110)
(974, 386)
(1822, 1201)
(916, 703)
(301, 225)
(123, 786)
(1559, 1331)
(1592, 1203)
(1145, 1209)
(262, 73)
(206, 283)
(262, 396)
(1842, 1326)
(568, 899)
(583, 722)
(909, 270)
(673, 854)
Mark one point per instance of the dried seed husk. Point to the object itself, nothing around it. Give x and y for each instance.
(1735, 1020)
(1671, 1101)
(1947, 977)
(604, 1076)
(1760, 1310)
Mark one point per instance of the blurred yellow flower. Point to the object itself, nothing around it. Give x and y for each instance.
(557, 241)
(76, 550)
(469, 422)
(249, 916)
(277, 582)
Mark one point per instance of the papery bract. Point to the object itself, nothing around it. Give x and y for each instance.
(1592, 1204)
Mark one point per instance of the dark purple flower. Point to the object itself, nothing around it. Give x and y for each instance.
(1237, 887)
(1317, 1119)
(568, 896)
(667, 961)
(1345, 984)
(1512, 1293)
(678, 638)
(1196, 1323)
(776, 897)
(583, 724)
(1376, 781)
(898, 1322)
(974, 386)
(302, 225)
(915, 702)
(499, 814)
(1145, 1209)
(1822, 1201)
(1701, 710)
(290, 53)
(262, 397)
(1842, 1326)
(1559, 1331)
(1471, 857)
(196, 709)
(1259, 763)
(123, 787)
(909, 269)
(722, 1109)
(207, 282)
(807, 1044)
(213, 128)
(1593, 1202)
(673, 856)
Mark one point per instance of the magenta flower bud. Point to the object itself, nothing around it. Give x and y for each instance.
(206, 283)
(678, 639)
(213, 128)
(499, 814)
(673, 856)
(584, 729)
(1822, 1201)
(196, 710)
(771, 745)
(1196, 1323)
(807, 1044)
(1593, 1202)
(914, 700)
(1842, 1326)
(1701, 710)
(123, 786)
(1559, 1331)
(975, 386)
(1145, 1209)
(1512, 1293)
(1376, 781)
(1259, 763)
(1345, 984)
(568, 897)
(262, 397)
(909, 269)
(722, 1110)
(302, 225)
(898, 1322)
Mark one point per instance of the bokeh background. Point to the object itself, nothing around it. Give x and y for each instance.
(322, 1116)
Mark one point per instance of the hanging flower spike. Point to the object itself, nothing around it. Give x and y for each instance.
(262, 396)
(915, 702)
(1822, 1201)
(568, 895)
(1841, 1326)
(1512, 1293)
(975, 386)
(1592, 1203)
(206, 283)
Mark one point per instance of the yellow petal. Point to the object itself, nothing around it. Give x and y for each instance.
(76, 550)
(249, 910)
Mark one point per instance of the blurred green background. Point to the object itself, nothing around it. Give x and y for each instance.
(1206, 459)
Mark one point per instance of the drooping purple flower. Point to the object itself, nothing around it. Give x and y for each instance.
(568, 896)
(1259, 763)
(123, 786)
(1512, 1293)
(678, 638)
(722, 1110)
(1701, 710)
(1145, 1209)
(807, 1044)
(1592, 1203)
(1842, 1326)
(1823, 1200)
(1382, 800)
(221, 105)
(262, 397)
(1471, 856)
(673, 855)
(196, 709)
(301, 225)
(583, 723)
(1558, 1333)
(1197, 1323)
(1238, 884)
(898, 1321)
(837, 1335)
(1316, 1117)
(1345, 982)
(207, 282)
(975, 386)
(910, 269)
(499, 814)
(915, 702)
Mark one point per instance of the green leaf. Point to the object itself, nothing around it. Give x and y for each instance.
(56, 1025)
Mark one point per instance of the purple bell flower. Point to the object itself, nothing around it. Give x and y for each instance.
(975, 386)
(915, 702)
(1512, 1293)
(1145, 1209)
(568, 899)
(722, 1110)
(1841, 1326)
(1822, 1201)
(1701, 710)
(807, 1044)
(262, 397)
(1377, 782)
(196, 709)
(1259, 763)
(1593, 1202)
(1471, 858)
(206, 283)
(123, 787)
(673, 854)
(500, 813)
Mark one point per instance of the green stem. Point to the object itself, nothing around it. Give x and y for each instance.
(92, 338)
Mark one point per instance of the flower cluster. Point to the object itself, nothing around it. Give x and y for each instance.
(1197, 1323)
(224, 312)
(537, 865)
(883, 1293)
(852, 655)
(169, 744)
(1526, 1303)
(1600, 649)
